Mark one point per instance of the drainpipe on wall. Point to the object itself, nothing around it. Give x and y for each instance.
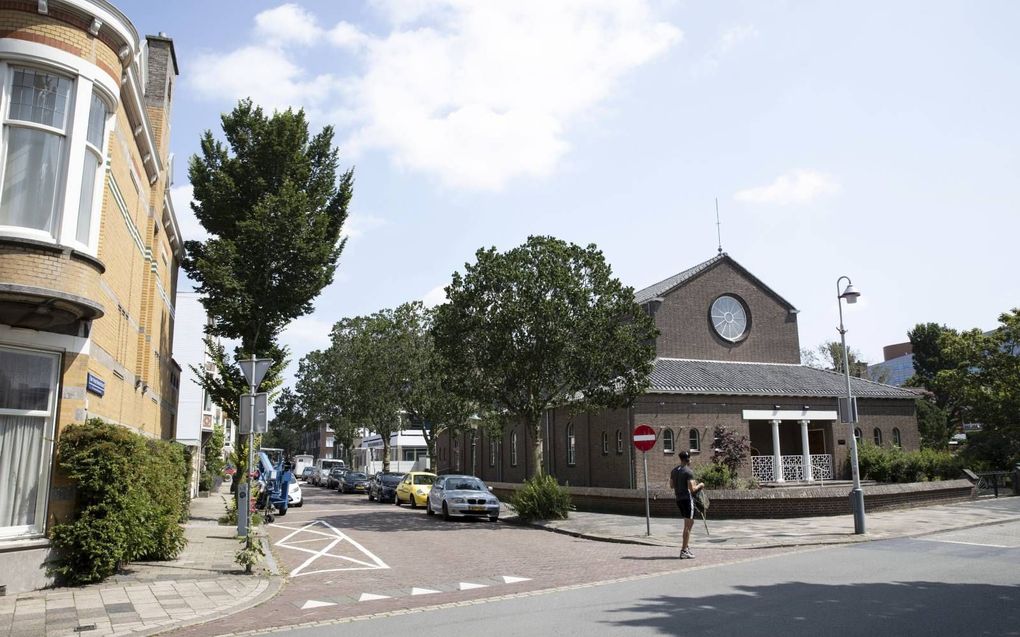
(630, 455)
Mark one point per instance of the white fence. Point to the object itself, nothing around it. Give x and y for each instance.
(763, 468)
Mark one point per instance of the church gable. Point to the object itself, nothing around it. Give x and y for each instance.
(718, 310)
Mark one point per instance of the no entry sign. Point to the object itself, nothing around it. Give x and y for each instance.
(644, 437)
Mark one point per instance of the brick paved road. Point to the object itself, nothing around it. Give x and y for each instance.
(350, 550)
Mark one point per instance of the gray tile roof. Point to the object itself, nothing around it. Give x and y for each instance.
(684, 376)
(675, 281)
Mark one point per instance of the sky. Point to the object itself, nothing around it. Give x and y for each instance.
(874, 140)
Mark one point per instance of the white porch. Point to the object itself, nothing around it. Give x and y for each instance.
(807, 465)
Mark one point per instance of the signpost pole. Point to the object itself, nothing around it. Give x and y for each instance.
(648, 514)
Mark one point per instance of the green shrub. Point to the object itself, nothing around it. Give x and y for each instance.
(541, 498)
(716, 476)
(131, 496)
(892, 464)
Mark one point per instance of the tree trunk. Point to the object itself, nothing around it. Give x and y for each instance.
(535, 428)
(385, 452)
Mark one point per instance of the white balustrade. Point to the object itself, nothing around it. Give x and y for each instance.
(763, 467)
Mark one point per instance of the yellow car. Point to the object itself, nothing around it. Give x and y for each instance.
(414, 489)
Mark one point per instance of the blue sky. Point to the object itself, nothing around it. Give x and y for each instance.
(872, 139)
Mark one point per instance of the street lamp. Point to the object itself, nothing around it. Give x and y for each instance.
(849, 413)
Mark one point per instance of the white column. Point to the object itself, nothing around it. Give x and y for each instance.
(777, 459)
(806, 450)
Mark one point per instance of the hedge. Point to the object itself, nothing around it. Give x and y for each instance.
(131, 497)
(892, 464)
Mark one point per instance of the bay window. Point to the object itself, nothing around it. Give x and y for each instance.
(53, 154)
(28, 383)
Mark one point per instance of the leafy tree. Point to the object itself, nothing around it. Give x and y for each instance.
(829, 355)
(288, 424)
(427, 394)
(730, 449)
(933, 424)
(989, 379)
(274, 207)
(542, 325)
(318, 381)
(214, 462)
(937, 354)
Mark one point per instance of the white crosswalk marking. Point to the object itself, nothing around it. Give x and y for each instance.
(466, 586)
(312, 603)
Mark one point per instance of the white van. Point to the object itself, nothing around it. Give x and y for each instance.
(300, 462)
(324, 466)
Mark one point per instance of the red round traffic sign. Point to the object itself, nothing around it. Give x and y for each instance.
(644, 437)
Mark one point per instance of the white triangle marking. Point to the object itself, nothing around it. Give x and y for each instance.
(468, 585)
(316, 604)
(370, 597)
(510, 579)
(422, 591)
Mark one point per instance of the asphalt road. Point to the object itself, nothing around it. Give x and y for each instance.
(365, 569)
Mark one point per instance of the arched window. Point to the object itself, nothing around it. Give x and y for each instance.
(492, 452)
(605, 443)
(858, 434)
(896, 437)
(619, 441)
(877, 436)
(513, 448)
(695, 440)
(667, 441)
(571, 446)
(456, 454)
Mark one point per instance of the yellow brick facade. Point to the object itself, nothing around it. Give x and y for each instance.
(131, 278)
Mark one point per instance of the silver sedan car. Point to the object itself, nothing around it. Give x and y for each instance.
(462, 495)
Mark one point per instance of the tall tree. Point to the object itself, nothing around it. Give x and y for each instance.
(319, 383)
(427, 393)
(288, 425)
(542, 325)
(274, 206)
(829, 355)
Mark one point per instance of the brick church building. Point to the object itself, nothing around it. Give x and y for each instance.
(727, 355)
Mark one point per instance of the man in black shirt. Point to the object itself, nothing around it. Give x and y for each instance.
(681, 479)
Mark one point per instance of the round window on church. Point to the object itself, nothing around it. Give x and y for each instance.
(729, 317)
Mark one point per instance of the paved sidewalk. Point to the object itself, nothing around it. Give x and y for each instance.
(202, 584)
(745, 534)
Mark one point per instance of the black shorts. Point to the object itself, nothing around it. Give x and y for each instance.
(686, 506)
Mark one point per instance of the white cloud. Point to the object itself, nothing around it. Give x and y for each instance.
(435, 296)
(794, 187)
(306, 333)
(728, 40)
(287, 24)
(484, 92)
(191, 229)
(265, 74)
(358, 224)
(474, 94)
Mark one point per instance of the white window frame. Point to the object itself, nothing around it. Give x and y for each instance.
(897, 438)
(86, 78)
(571, 446)
(876, 436)
(492, 451)
(668, 445)
(605, 443)
(45, 466)
(619, 442)
(513, 448)
(694, 440)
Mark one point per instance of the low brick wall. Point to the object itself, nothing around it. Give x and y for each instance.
(792, 502)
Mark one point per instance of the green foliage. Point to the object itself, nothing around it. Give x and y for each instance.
(541, 325)
(933, 424)
(214, 462)
(131, 498)
(250, 554)
(829, 355)
(541, 498)
(289, 423)
(271, 201)
(717, 476)
(892, 464)
(730, 449)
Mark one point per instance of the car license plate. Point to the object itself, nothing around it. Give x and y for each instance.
(476, 508)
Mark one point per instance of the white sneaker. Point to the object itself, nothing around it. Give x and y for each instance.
(686, 554)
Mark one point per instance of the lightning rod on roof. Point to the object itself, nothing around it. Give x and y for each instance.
(718, 225)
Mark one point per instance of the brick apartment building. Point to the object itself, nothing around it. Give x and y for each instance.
(89, 251)
(728, 355)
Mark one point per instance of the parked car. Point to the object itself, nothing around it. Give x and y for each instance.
(461, 495)
(414, 488)
(306, 473)
(383, 485)
(333, 479)
(294, 498)
(354, 482)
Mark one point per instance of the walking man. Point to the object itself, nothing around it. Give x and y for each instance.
(681, 479)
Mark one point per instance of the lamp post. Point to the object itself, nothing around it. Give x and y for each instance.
(849, 294)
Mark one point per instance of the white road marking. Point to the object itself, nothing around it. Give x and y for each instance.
(422, 591)
(992, 546)
(337, 538)
(510, 579)
(369, 597)
(465, 586)
(316, 604)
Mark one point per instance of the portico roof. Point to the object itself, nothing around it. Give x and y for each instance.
(686, 376)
